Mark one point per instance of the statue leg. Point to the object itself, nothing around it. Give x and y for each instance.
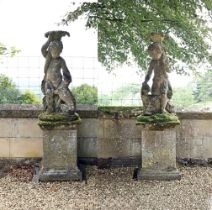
(67, 96)
(163, 101)
(49, 101)
(163, 98)
(169, 92)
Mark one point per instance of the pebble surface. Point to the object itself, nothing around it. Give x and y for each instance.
(109, 189)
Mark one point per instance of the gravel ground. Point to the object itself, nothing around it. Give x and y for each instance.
(108, 189)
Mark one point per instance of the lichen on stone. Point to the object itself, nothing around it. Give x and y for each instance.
(160, 120)
(53, 117)
(51, 120)
(118, 111)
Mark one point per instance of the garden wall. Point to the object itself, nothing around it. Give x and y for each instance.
(104, 134)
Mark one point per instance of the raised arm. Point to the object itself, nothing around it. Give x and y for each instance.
(44, 48)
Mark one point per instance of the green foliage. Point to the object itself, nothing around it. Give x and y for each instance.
(126, 95)
(183, 96)
(104, 100)
(85, 94)
(203, 90)
(124, 28)
(8, 91)
(9, 94)
(12, 51)
(128, 91)
(29, 98)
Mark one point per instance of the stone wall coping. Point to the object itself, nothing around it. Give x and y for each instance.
(32, 111)
(199, 115)
(91, 111)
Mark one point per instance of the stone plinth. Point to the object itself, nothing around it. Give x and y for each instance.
(158, 154)
(59, 161)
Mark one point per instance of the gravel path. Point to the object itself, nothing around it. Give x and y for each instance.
(109, 189)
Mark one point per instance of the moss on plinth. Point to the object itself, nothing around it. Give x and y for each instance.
(158, 121)
(50, 121)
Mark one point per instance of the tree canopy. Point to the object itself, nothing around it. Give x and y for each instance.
(12, 51)
(85, 94)
(9, 94)
(124, 28)
(203, 90)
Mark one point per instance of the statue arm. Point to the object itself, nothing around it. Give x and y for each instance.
(44, 48)
(149, 73)
(166, 62)
(66, 73)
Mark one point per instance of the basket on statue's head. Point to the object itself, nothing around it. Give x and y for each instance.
(156, 37)
(57, 35)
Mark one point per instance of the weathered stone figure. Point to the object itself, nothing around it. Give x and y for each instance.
(161, 90)
(158, 134)
(57, 96)
(59, 121)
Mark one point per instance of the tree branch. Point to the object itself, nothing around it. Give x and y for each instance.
(121, 19)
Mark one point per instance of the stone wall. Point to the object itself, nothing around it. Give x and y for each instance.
(194, 136)
(102, 134)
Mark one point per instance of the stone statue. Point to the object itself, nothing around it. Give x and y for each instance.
(57, 96)
(59, 121)
(161, 90)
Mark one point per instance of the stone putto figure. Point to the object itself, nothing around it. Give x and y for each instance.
(161, 90)
(57, 96)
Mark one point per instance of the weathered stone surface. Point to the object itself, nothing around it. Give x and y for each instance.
(195, 129)
(87, 147)
(158, 149)
(7, 128)
(195, 115)
(124, 128)
(88, 128)
(19, 111)
(118, 147)
(32, 111)
(27, 128)
(194, 139)
(60, 154)
(117, 138)
(51, 175)
(24, 148)
(5, 148)
(148, 174)
(161, 90)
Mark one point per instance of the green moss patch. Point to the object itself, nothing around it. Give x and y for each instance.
(52, 117)
(159, 121)
(52, 120)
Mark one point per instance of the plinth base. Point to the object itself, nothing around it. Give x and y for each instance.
(59, 162)
(146, 174)
(60, 175)
(158, 153)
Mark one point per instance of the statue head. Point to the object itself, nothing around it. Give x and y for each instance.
(55, 48)
(155, 50)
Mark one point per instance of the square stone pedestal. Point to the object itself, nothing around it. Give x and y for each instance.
(59, 161)
(158, 154)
